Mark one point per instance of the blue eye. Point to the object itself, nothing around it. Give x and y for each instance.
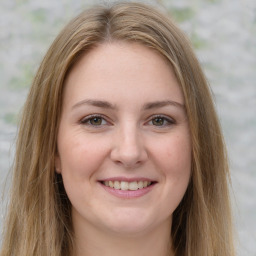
(94, 120)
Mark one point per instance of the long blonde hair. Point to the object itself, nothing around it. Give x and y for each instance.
(39, 220)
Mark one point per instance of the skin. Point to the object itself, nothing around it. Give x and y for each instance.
(118, 82)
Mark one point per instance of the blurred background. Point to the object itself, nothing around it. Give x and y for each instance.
(223, 33)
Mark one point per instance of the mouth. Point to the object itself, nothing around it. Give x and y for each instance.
(126, 185)
(128, 188)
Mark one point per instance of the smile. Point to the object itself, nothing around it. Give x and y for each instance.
(124, 185)
(128, 188)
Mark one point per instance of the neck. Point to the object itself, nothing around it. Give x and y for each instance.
(93, 242)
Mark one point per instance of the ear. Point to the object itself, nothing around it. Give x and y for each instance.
(57, 164)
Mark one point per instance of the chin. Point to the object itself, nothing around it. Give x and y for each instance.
(130, 223)
(128, 230)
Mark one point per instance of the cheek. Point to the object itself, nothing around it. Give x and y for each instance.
(179, 154)
(174, 158)
(174, 153)
(80, 161)
(80, 156)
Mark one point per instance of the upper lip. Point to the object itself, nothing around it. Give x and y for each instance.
(128, 179)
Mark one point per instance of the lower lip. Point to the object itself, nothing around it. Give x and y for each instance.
(128, 194)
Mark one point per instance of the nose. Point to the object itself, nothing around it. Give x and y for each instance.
(129, 148)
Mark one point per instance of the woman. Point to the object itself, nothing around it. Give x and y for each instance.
(119, 149)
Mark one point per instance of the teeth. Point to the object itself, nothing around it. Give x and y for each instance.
(140, 184)
(124, 185)
(133, 185)
(111, 184)
(116, 185)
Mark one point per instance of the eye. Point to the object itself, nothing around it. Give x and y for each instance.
(161, 121)
(94, 120)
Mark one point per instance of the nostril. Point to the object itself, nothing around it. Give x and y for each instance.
(128, 158)
(128, 147)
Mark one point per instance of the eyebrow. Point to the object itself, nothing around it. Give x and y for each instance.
(96, 103)
(160, 104)
(147, 106)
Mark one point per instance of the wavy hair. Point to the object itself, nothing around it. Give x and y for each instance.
(39, 215)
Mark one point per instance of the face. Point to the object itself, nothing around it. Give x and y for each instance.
(123, 143)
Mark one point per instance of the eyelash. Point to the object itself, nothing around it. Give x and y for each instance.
(167, 121)
(86, 120)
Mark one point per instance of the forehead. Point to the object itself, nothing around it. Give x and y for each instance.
(113, 68)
